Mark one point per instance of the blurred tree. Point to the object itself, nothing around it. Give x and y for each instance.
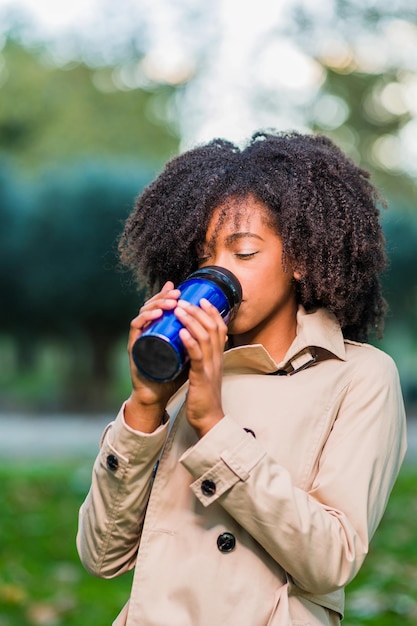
(51, 114)
(354, 98)
(14, 210)
(74, 288)
(77, 145)
(366, 101)
(401, 284)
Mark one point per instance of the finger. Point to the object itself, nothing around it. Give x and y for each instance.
(213, 312)
(145, 316)
(168, 291)
(207, 331)
(153, 309)
(168, 286)
(206, 315)
(139, 323)
(196, 321)
(210, 318)
(192, 347)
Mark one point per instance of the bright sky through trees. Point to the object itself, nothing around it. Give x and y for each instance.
(232, 54)
(245, 65)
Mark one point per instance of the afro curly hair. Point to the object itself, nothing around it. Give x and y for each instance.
(323, 205)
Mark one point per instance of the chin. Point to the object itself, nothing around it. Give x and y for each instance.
(236, 329)
(233, 328)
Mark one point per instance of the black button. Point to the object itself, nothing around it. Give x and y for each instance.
(250, 431)
(226, 542)
(112, 462)
(208, 487)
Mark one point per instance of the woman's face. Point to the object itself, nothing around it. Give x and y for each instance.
(251, 248)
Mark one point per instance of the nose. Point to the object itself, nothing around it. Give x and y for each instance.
(217, 259)
(226, 262)
(222, 260)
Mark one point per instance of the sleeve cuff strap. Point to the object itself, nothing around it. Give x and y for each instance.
(227, 443)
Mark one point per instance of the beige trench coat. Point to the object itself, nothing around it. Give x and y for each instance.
(265, 519)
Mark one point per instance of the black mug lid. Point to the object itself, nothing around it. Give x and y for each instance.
(225, 279)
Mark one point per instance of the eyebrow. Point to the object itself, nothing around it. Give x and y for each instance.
(236, 236)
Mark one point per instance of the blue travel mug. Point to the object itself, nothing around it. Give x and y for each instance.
(159, 353)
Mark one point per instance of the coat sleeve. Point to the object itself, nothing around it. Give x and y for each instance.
(111, 517)
(319, 537)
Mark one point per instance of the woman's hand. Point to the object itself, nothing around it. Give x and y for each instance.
(204, 336)
(145, 408)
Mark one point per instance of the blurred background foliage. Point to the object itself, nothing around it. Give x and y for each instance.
(74, 153)
(82, 133)
(44, 583)
(88, 116)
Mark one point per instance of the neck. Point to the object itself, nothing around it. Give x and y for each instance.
(276, 336)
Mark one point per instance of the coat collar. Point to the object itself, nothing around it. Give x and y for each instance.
(318, 336)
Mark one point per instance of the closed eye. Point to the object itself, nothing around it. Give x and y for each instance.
(245, 255)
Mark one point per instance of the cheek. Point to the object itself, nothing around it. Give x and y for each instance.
(271, 289)
(265, 285)
(256, 287)
(252, 288)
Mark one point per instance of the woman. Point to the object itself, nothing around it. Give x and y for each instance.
(246, 491)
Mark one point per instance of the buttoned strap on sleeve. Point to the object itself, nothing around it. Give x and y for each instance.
(226, 455)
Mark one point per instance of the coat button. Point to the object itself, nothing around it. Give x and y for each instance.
(226, 542)
(208, 487)
(112, 462)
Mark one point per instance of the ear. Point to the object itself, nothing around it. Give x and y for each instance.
(297, 275)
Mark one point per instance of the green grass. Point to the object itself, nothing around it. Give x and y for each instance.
(385, 591)
(42, 582)
(41, 579)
